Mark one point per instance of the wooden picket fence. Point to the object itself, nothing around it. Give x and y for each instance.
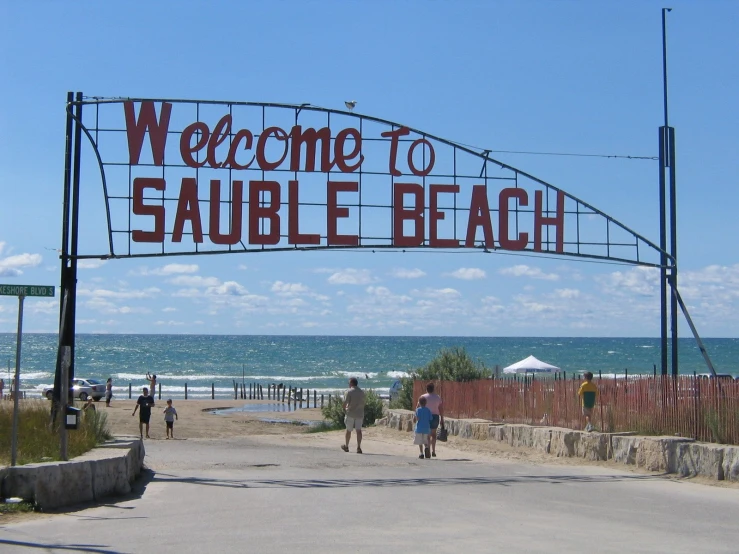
(689, 406)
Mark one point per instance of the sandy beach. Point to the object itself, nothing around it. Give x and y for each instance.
(203, 419)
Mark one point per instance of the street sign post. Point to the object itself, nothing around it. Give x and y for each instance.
(21, 291)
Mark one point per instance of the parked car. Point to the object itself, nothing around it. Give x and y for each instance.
(83, 388)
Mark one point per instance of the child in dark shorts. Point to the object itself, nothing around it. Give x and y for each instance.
(170, 414)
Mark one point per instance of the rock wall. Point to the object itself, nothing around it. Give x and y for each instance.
(678, 455)
(104, 471)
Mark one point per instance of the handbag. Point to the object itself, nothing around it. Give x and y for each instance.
(442, 435)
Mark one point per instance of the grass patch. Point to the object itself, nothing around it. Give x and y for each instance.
(38, 440)
(324, 426)
(16, 508)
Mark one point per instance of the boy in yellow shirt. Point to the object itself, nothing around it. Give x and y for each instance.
(588, 393)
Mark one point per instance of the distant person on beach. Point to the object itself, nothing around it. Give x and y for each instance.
(108, 391)
(422, 417)
(354, 408)
(433, 403)
(152, 383)
(588, 393)
(2, 387)
(89, 406)
(170, 414)
(146, 403)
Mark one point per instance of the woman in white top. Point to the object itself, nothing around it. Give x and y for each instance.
(433, 403)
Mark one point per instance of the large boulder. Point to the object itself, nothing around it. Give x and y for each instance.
(705, 460)
(624, 449)
(659, 453)
(730, 464)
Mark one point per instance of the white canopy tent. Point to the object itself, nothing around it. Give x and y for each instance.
(530, 365)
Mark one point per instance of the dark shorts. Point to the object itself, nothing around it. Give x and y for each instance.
(144, 418)
(170, 424)
(435, 421)
(108, 396)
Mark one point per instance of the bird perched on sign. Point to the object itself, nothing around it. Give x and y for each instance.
(350, 104)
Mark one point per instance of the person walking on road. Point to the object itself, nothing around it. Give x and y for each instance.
(354, 408)
(422, 418)
(433, 403)
(146, 403)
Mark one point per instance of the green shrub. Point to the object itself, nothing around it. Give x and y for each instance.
(450, 364)
(334, 412)
(37, 439)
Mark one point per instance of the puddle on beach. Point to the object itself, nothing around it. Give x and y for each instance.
(265, 408)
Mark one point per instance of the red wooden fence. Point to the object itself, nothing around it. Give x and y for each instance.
(697, 407)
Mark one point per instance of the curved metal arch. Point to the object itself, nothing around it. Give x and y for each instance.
(482, 155)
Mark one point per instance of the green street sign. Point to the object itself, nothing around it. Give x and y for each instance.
(26, 290)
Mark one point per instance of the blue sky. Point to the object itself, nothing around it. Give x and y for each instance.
(526, 76)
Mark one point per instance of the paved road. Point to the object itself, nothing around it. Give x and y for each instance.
(302, 494)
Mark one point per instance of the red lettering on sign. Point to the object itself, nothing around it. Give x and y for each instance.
(220, 134)
(136, 129)
(186, 147)
(334, 212)
(293, 221)
(395, 137)
(268, 212)
(558, 221)
(188, 209)
(340, 157)
(435, 216)
(401, 214)
(214, 225)
(281, 136)
(432, 158)
(231, 158)
(479, 217)
(505, 195)
(140, 184)
(310, 137)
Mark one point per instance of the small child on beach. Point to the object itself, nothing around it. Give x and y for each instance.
(170, 414)
(423, 428)
(588, 393)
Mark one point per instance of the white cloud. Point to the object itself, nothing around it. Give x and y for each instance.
(11, 266)
(194, 281)
(468, 273)
(288, 288)
(229, 288)
(90, 264)
(169, 309)
(169, 269)
(402, 273)
(118, 294)
(643, 281)
(567, 293)
(528, 271)
(351, 276)
(242, 267)
(437, 293)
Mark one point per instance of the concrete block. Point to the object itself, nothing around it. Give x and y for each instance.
(480, 430)
(20, 481)
(659, 453)
(624, 448)
(498, 433)
(592, 446)
(564, 442)
(521, 435)
(541, 437)
(63, 484)
(705, 460)
(730, 464)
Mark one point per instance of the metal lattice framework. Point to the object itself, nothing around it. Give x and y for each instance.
(175, 173)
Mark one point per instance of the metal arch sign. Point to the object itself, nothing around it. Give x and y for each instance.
(204, 177)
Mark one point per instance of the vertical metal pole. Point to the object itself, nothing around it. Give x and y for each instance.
(74, 233)
(662, 255)
(17, 387)
(673, 252)
(669, 159)
(66, 361)
(64, 255)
